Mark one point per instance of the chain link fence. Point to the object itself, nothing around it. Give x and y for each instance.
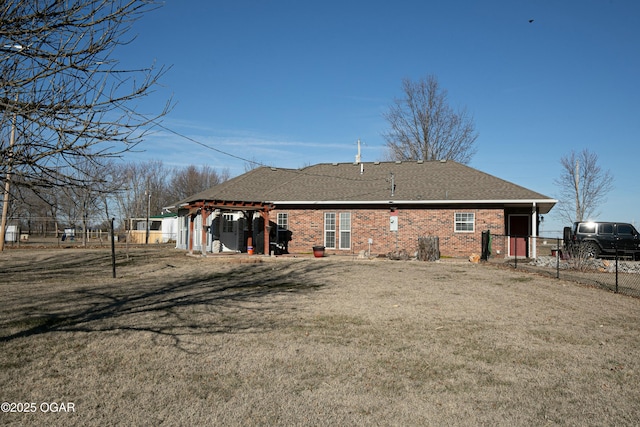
(618, 273)
(547, 256)
(45, 233)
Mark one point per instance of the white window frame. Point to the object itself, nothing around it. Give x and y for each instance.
(462, 220)
(183, 231)
(330, 230)
(345, 231)
(283, 221)
(228, 223)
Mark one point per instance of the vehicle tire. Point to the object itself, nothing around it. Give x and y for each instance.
(590, 250)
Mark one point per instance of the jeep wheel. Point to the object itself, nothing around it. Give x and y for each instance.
(590, 250)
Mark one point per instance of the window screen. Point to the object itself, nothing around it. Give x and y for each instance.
(330, 230)
(345, 230)
(465, 222)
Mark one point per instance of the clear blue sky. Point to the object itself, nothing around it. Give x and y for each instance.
(292, 83)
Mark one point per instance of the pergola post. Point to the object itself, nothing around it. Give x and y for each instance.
(192, 218)
(265, 217)
(203, 246)
(534, 231)
(249, 216)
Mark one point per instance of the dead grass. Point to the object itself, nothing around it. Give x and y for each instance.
(180, 340)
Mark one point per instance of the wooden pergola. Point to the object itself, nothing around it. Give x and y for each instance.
(206, 207)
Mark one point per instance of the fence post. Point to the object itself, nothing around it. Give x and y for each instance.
(113, 249)
(515, 251)
(616, 267)
(486, 241)
(557, 258)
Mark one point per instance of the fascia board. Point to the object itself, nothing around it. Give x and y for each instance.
(413, 202)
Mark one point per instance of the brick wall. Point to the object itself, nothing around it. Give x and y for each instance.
(307, 227)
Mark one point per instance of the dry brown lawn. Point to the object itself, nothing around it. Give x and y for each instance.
(179, 340)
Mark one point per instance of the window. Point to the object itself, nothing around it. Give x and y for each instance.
(465, 222)
(345, 230)
(330, 230)
(283, 221)
(624, 229)
(606, 229)
(587, 227)
(227, 223)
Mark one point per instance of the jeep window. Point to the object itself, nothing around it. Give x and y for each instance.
(587, 228)
(606, 229)
(624, 229)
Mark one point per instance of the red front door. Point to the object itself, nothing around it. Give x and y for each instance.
(518, 235)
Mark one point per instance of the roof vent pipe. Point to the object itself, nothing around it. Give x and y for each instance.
(393, 184)
(358, 156)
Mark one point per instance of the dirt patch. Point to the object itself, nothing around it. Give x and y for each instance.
(184, 340)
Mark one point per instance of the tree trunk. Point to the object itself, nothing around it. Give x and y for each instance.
(428, 248)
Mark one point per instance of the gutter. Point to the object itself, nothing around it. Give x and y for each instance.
(534, 202)
(415, 202)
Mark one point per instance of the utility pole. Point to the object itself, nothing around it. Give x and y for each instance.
(576, 183)
(7, 181)
(148, 194)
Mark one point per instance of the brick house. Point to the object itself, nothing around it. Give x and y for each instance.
(352, 207)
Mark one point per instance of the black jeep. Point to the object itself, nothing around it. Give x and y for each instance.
(600, 239)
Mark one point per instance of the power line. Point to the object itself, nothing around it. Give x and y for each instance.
(195, 141)
(225, 153)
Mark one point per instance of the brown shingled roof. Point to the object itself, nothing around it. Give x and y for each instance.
(415, 182)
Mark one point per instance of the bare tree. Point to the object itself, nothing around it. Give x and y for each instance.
(30, 213)
(583, 185)
(62, 94)
(424, 127)
(190, 180)
(86, 203)
(251, 164)
(142, 188)
(150, 185)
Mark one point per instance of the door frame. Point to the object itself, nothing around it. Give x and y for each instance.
(229, 239)
(522, 242)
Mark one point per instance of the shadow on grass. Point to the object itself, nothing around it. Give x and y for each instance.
(242, 298)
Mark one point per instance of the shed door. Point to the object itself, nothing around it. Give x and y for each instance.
(229, 234)
(518, 233)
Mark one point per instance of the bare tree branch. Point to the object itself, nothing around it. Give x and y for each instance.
(583, 184)
(59, 77)
(424, 127)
